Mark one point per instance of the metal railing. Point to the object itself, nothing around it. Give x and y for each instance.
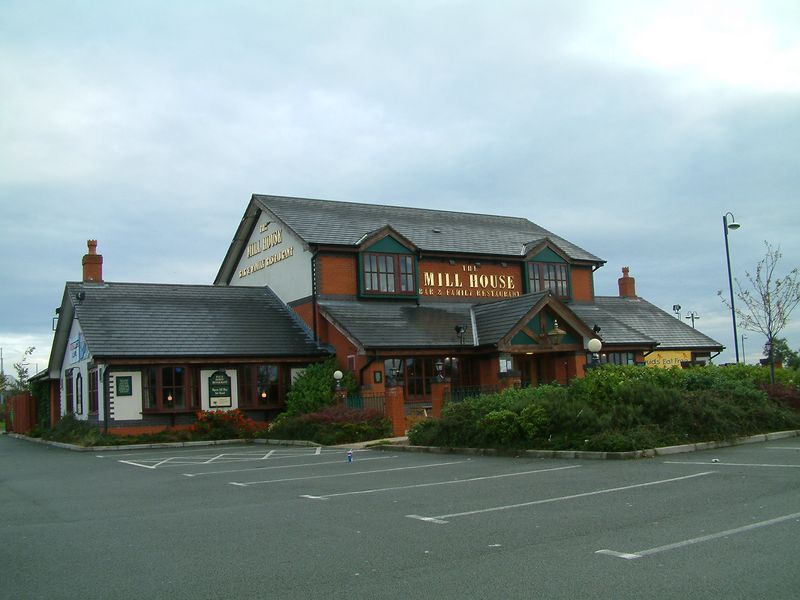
(367, 402)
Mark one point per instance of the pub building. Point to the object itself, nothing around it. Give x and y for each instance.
(416, 303)
(408, 297)
(138, 357)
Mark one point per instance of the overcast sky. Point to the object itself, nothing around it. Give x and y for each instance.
(629, 128)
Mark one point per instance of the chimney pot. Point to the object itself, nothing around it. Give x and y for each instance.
(627, 284)
(92, 264)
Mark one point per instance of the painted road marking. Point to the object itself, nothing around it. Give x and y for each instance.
(441, 519)
(697, 540)
(183, 461)
(449, 482)
(727, 464)
(345, 474)
(314, 464)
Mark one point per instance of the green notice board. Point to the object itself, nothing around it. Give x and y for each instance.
(219, 390)
(124, 385)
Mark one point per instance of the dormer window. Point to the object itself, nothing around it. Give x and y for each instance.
(387, 265)
(388, 273)
(549, 276)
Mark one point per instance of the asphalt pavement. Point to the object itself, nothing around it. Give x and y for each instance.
(256, 521)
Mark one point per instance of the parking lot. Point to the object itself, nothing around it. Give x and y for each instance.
(256, 521)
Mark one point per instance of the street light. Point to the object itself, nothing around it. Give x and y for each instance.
(733, 225)
(337, 376)
(594, 346)
(693, 316)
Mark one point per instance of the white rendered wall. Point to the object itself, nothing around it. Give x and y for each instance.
(126, 408)
(275, 257)
(77, 358)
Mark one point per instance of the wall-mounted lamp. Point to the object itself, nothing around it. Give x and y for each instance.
(556, 334)
(460, 329)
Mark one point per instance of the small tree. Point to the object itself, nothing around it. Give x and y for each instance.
(314, 389)
(769, 303)
(22, 369)
(782, 353)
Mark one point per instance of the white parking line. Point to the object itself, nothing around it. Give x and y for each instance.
(697, 540)
(249, 483)
(724, 464)
(449, 482)
(327, 462)
(184, 461)
(442, 519)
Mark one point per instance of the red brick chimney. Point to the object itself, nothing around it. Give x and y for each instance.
(92, 264)
(627, 284)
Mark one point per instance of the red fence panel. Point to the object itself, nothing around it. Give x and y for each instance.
(20, 413)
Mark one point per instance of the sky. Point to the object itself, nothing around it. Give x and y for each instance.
(629, 128)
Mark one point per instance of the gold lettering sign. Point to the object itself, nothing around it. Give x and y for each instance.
(261, 245)
(467, 281)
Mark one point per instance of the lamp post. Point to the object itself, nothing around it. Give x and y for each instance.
(744, 360)
(693, 316)
(733, 225)
(337, 376)
(594, 346)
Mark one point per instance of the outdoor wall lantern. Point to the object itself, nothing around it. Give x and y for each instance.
(337, 376)
(439, 370)
(264, 394)
(556, 334)
(460, 329)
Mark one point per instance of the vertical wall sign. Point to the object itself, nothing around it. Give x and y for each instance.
(219, 390)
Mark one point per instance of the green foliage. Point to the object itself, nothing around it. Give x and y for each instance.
(332, 425)
(620, 408)
(782, 353)
(314, 389)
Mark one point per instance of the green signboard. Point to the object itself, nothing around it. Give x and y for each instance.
(219, 390)
(124, 385)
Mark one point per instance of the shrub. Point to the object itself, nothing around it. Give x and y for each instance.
(333, 425)
(223, 425)
(314, 389)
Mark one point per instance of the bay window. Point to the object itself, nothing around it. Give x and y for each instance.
(168, 389)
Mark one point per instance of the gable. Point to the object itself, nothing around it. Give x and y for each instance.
(387, 245)
(547, 255)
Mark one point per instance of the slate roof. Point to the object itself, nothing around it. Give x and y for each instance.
(495, 320)
(141, 320)
(623, 321)
(346, 223)
(636, 321)
(376, 324)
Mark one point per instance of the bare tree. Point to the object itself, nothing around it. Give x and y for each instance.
(768, 300)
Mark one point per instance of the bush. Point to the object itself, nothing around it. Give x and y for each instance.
(620, 408)
(333, 425)
(314, 389)
(223, 425)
